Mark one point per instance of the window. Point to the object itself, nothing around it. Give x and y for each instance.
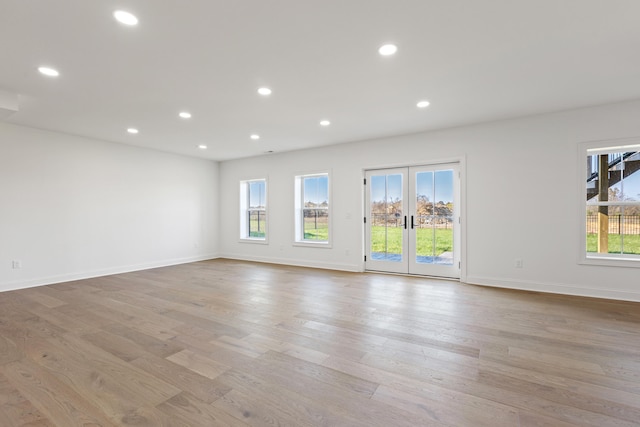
(611, 183)
(313, 219)
(253, 210)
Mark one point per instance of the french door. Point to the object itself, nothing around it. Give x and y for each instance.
(412, 220)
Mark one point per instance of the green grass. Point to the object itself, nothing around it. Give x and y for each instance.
(316, 231)
(253, 228)
(444, 240)
(631, 243)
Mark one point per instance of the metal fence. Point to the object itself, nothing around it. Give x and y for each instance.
(618, 224)
(257, 222)
(420, 221)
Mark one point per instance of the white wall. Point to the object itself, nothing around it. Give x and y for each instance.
(521, 202)
(72, 207)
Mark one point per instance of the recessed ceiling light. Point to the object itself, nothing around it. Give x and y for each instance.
(202, 147)
(48, 71)
(255, 137)
(264, 91)
(125, 18)
(132, 130)
(185, 115)
(325, 123)
(423, 104)
(388, 49)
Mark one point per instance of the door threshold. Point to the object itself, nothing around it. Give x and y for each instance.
(392, 273)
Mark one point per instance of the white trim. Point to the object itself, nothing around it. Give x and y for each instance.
(435, 162)
(254, 240)
(612, 260)
(298, 201)
(592, 148)
(463, 216)
(311, 244)
(461, 241)
(553, 288)
(613, 203)
(244, 208)
(50, 280)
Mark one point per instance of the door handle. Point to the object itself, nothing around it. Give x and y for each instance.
(412, 222)
(405, 222)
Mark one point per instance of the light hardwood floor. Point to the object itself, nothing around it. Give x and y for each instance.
(229, 343)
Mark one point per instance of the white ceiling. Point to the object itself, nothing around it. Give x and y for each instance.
(474, 60)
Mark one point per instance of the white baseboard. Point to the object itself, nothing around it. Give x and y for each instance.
(297, 263)
(50, 280)
(554, 288)
(524, 285)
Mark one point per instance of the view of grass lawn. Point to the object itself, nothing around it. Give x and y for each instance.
(257, 230)
(631, 243)
(316, 229)
(444, 240)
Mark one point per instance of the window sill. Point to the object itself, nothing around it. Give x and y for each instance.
(255, 241)
(612, 260)
(310, 244)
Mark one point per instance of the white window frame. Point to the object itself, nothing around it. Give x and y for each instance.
(244, 211)
(299, 239)
(586, 149)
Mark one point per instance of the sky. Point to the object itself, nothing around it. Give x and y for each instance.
(629, 186)
(424, 180)
(316, 189)
(257, 194)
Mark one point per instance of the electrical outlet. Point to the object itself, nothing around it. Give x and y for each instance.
(347, 252)
(519, 263)
(16, 265)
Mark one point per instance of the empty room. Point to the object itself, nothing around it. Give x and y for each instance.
(339, 213)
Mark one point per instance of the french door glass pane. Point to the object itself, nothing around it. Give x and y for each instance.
(443, 218)
(423, 222)
(387, 217)
(434, 217)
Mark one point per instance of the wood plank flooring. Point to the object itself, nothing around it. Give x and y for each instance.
(230, 343)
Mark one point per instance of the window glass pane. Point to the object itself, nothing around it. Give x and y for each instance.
(316, 191)
(631, 177)
(257, 224)
(316, 224)
(257, 197)
(315, 209)
(253, 205)
(612, 214)
(629, 230)
(623, 236)
(592, 178)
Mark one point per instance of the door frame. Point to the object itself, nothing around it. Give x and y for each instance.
(462, 165)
